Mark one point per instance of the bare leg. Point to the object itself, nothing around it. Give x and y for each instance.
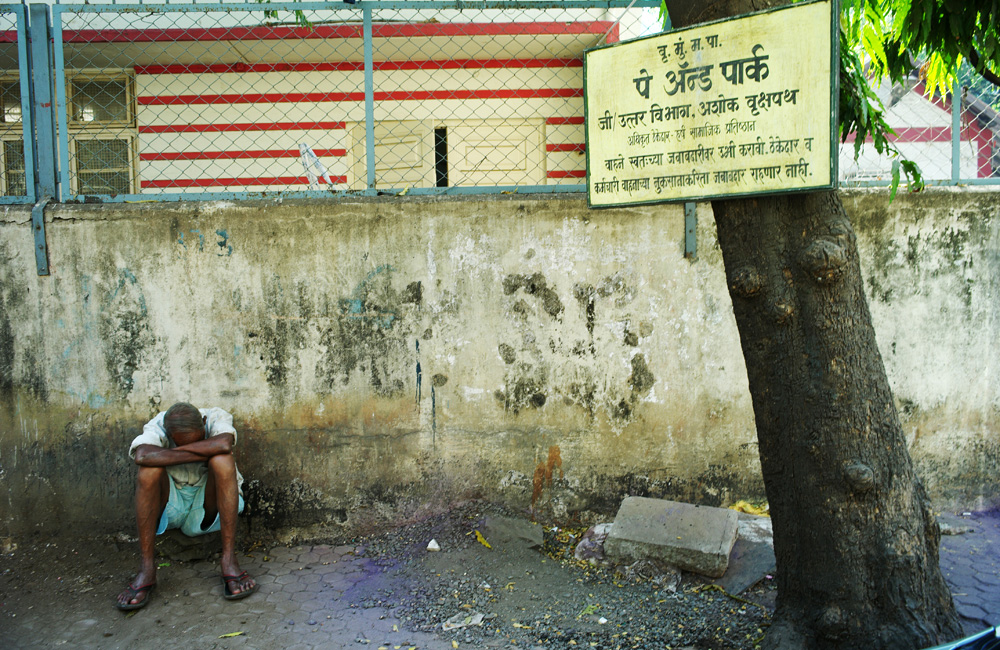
(151, 493)
(222, 498)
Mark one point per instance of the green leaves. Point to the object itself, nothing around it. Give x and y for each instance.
(862, 113)
(940, 73)
(872, 34)
(912, 171)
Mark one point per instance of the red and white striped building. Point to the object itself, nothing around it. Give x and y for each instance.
(260, 108)
(923, 133)
(245, 108)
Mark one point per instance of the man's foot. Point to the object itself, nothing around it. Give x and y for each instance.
(238, 586)
(134, 597)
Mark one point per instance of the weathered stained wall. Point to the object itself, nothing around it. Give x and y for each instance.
(387, 355)
(932, 271)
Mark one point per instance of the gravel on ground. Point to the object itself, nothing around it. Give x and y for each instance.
(544, 597)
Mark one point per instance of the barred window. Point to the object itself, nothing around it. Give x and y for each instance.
(444, 153)
(12, 163)
(102, 133)
(96, 101)
(12, 179)
(104, 165)
(10, 102)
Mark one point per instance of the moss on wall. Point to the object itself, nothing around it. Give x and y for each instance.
(389, 355)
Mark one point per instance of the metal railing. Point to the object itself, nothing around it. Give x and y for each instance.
(17, 157)
(305, 99)
(167, 102)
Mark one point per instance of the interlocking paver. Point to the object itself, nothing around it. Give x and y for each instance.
(264, 578)
(294, 587)
(192, 592)
(300, 646)
(276, 596)
(287, 579)
(286, 607)
(987, 579)
(324, 569)
(970, 563)
(309, 577)
(314, 604)
(277, 569)
(970, 611)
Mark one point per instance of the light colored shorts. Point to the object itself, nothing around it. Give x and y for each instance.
(185, 509)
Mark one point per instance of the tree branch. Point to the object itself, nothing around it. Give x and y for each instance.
(984, 72)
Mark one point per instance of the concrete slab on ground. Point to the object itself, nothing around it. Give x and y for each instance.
(689, 537)
(752, 558)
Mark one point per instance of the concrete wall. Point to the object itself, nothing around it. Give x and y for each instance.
(931, 264)
(391, 355)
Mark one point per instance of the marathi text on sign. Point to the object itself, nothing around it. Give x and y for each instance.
(728, 109)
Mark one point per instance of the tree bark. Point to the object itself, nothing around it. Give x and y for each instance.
(855, 540)
(854, 536)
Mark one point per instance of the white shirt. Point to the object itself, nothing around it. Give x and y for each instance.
(154, 433)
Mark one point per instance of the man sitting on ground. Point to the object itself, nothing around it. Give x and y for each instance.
(188, 480)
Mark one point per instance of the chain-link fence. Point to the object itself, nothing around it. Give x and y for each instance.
(952, 142)
(979, 123)
(172, 101)
(176, 101)
(16, 182)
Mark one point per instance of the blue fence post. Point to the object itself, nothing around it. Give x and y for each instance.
(956, 135)
(369, 96)
(42, 112)
(43, 119)
(27, 125)
(61, 108)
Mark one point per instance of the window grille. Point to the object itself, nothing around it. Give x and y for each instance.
(13, 168)
(10, 101)
(104, 165)
(102, 133)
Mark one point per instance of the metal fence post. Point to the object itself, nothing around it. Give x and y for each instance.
(27, 124)
(42, 85)
(43, 120)
(62, 110)
(956, 135)
(369, 96)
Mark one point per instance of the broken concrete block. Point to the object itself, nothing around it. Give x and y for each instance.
(689, 537)
(752, 557)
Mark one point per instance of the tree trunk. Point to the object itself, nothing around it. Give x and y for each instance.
(855, 540)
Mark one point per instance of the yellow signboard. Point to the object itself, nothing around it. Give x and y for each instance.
(733, 108)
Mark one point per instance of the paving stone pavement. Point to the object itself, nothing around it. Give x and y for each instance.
(970, 562)
(304, 602)
(308, 599)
